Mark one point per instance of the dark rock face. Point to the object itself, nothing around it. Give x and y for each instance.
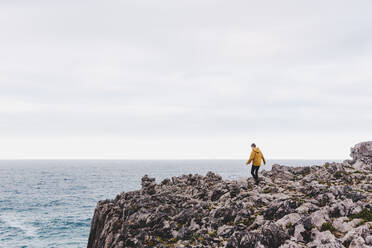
(317, 206)
(277, 210)
(270, 235)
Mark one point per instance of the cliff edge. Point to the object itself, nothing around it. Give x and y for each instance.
(317, 206)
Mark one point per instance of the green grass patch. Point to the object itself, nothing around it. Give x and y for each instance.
(365, 214)
(327, 226)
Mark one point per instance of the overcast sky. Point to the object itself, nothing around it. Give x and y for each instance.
(184, 79)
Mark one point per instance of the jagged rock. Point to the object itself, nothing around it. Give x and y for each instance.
(306, 208)
(292, 244)
(273, 235)
(342, 208)
(148, 185)
(297, 233)
(358, 237)
(324, 240)
(216, 194)
(368, 240)
(343, 224)
(225, 230)
(270, 236)
(362, 151)
(362, 155)
(234, 190)
(319, 217)
(316, 206)
(279, 209)
(288, 220)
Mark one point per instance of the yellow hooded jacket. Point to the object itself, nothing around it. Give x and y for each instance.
(256, 156)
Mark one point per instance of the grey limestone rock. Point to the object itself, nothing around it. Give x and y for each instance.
(362, 155)
(316, 206)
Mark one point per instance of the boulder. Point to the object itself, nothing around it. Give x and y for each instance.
(362, 155)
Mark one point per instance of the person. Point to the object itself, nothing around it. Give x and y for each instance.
(255, 158)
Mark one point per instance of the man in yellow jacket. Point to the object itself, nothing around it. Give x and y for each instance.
(256, 156)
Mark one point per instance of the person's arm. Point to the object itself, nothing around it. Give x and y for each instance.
(263, 158)
(250, 157)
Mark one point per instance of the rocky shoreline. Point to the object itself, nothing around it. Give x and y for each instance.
(316, 206)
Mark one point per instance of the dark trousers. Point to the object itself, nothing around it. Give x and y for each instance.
(254, 172)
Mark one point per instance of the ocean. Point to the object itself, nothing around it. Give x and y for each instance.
(50, 203)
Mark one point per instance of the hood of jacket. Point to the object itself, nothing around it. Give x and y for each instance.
(256, 149)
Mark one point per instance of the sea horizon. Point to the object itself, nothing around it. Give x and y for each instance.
(50, 203)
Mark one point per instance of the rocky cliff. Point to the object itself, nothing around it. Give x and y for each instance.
(317, 206)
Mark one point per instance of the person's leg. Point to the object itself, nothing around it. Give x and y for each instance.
(253, 172)
(256, 173)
